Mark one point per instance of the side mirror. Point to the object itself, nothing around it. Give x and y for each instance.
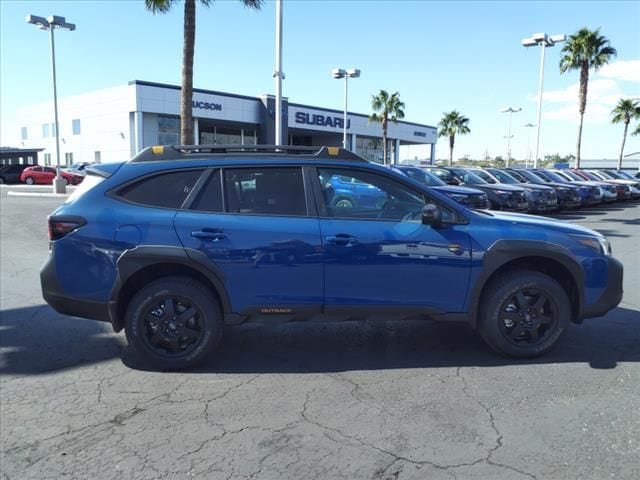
(431, 215)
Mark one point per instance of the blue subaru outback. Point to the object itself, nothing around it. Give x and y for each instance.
(180, 241)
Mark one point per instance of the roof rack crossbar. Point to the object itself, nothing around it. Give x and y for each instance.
(183, 152)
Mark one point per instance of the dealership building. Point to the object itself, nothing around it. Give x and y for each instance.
(114, 124)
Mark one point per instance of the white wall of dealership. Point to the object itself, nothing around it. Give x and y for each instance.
(117, 122)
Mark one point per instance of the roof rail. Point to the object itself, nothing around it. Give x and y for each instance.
(190, 152)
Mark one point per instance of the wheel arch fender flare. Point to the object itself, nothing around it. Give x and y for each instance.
(505, 252)
(133, 260)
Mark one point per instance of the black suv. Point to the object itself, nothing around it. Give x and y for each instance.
(11, 173)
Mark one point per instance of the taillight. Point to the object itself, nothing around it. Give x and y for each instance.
(62, 226)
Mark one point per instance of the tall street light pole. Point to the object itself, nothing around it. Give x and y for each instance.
(511, 111)
(51, 23)
(528, 157)
(278, 73)
(544, 41)
(339, 73)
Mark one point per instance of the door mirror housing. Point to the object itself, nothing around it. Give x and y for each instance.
(431, 215)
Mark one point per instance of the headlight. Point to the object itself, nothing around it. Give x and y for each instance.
(599, 243)
(502, 193)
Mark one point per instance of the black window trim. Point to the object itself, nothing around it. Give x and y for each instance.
(461, 219)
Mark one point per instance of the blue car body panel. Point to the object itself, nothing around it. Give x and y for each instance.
(266, 261)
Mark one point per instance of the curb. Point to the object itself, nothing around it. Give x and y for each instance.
(12, 193)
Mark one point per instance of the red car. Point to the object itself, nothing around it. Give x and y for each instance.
(32, 175)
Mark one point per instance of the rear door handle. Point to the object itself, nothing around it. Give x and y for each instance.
(208, 234)
(342, 240)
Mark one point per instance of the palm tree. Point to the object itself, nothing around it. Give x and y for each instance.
(186, 98)
(453, 123)
(386, 107)
(585, 50)
(626, 110)
(636, 131)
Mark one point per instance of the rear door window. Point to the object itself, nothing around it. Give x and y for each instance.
(266, 191)
(166, 190)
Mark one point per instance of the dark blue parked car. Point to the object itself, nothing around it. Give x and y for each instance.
(469, 197)
(589, 194)
(180, 241)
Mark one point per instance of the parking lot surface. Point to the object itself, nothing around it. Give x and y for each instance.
(394, 400)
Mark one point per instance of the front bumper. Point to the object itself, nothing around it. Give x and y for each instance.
(612, 295)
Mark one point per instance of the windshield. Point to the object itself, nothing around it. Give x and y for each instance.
(563, 175)
(626, 175)
(426, 178)
(590, 176)
(529, 175)
(90, 181)
(599, 176)
(617, 175)
(606, 175)
(468, 177)
(573, 176)
(552, 176)
(486, 176)
(503, 177)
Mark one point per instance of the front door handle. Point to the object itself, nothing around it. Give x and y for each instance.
(214, 234)
(342, 240)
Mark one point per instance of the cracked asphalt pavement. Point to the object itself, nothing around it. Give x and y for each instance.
(384, 401)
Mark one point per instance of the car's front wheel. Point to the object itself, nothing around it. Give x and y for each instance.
(173, 323)
(29, 181)
(523, 313)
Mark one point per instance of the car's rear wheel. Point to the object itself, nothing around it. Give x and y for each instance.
(66, 181)
(524, 313)
(29, 181)
(173, 323)
(343, 202)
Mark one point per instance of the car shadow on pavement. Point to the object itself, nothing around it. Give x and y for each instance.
(36, 340)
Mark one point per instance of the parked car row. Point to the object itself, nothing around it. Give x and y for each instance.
(526, 190)
(38, 174)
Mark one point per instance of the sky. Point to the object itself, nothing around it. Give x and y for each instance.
(439, 56)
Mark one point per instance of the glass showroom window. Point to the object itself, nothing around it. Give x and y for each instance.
(45, 130)
(75, 126)
(168, 130)
(249, 137)
(47, 159)
(369, 148)
(23, 133)
(68, 158)
(228, 136)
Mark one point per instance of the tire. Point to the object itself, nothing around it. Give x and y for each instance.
(155, 334)
(343, 202)
(29, 181)
(523, 313)
(66, 182)
(1, 180)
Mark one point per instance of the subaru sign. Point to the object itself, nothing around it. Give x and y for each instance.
(320, 120)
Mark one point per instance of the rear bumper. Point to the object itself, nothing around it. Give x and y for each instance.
(612, 295)
(67, 305)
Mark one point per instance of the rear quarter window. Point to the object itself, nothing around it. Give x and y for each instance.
(166, 190)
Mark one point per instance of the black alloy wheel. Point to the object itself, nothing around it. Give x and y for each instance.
(174, 323)
(523, 313)
(527, 317)
(173, 326)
